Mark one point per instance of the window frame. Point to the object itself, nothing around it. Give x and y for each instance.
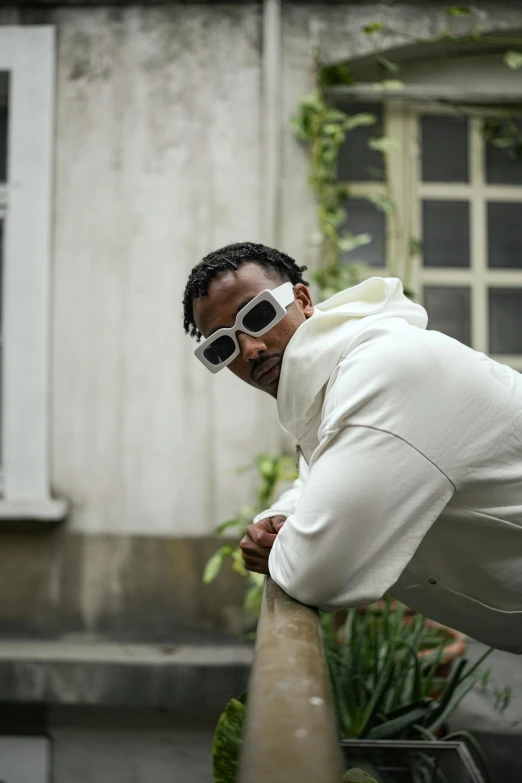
(477, 192)
(401, 121)
(29, 55)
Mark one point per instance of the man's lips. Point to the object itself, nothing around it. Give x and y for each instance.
(264, 368)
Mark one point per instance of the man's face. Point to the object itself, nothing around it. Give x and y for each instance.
(259, 361)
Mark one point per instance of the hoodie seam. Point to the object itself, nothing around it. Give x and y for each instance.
(398, 437)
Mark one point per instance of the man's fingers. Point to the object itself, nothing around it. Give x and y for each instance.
(257, 543)
(260, 536)
(277, 523)
(249, 546)
(257, 566)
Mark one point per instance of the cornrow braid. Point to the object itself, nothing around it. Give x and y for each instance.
(278, 266)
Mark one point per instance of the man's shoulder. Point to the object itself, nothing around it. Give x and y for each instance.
(393, 351)
(391, 372)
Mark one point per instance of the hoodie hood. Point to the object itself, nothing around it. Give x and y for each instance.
(319, 343)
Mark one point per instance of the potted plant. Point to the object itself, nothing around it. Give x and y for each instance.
(399, 759)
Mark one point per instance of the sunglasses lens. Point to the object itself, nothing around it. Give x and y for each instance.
(259, 317)
(220, 350)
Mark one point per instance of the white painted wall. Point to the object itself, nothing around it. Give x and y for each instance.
(158, 163)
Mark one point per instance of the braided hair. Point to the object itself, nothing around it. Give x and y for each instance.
(277, 265)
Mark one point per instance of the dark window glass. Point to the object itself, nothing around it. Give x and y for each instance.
(449, 311)
(504, 235)
(444, 149)
(505, 320)
(357, 162)
(445, 233)
(502, 166)
(363, 217)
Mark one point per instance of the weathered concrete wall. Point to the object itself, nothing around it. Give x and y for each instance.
(338, 29)
(134, 588)
(158, 163)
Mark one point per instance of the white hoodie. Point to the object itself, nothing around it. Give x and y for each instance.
(411, 470)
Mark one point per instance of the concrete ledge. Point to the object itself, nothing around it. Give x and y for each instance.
(41, 510)
(195, 681)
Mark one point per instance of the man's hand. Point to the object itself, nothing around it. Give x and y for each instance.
(258, 542)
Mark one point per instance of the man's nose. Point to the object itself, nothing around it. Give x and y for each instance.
(251, 347)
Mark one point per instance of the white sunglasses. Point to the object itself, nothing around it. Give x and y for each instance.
(257, 317)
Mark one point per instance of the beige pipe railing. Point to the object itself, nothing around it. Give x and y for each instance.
(290, 732)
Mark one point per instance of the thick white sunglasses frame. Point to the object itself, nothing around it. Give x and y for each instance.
(280, 298)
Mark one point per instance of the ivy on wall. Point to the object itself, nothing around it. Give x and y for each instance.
(324, 127)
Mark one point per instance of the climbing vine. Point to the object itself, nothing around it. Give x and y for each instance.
(323, 127)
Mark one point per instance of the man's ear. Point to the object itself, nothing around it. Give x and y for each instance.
(303, 299)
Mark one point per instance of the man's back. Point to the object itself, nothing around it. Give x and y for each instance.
(427, 437)
(463, 412)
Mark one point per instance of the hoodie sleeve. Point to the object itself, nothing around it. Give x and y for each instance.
(369, 500)
(287, 502)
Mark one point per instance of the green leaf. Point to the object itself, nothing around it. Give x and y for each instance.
(513, 60)
(334, 75)
(385, 144)
(384, 203)
(226, 747)
(454, 694)
(388, 64)
(473, 670)
(458, 10)
(237, 562)
(253, 597)
(414, 246)
(256, 579)
(357, 776)
(377, 697)
(357, 120)
(266, 465)
(330, 128)
(213, 566)
(316, 238)
(350, 242)
(226, 525)
(502, 142)
(249, 512)
(394, 726)
(373, 27)
(391, 84)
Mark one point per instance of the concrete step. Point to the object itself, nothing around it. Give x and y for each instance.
(193, 680)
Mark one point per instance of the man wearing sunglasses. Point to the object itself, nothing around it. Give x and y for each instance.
(409, 444)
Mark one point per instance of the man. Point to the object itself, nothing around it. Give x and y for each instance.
(410, 468)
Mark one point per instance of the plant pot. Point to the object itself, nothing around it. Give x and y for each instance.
(398, 761)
